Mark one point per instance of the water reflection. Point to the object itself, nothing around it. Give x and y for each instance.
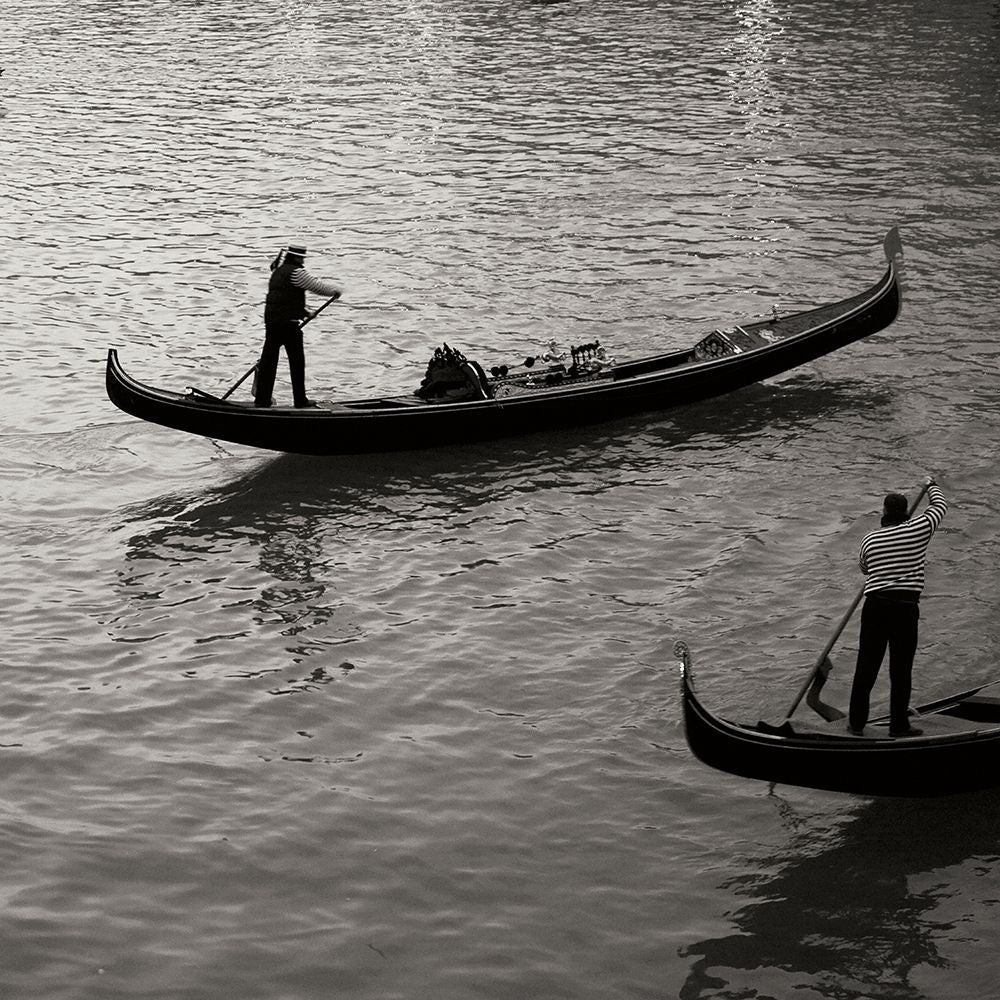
(302, 556)
(846, 913)
(294, 496)
(752, 59)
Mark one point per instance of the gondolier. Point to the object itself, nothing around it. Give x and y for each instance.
(892, 558)
(284, 311)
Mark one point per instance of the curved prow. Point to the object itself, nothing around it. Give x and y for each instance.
(683, 654)
(892, 245)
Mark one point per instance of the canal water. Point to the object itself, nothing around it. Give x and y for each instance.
(408, 725)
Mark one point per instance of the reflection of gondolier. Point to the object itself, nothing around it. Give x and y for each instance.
(892, 558)
(284, 311)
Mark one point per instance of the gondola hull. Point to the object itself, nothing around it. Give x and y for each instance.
(959, 750)
(526, 402)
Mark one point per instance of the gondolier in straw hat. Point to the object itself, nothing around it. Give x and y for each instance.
(284, 312)
(892, 558)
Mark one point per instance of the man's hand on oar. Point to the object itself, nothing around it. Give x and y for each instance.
(313, 315)
(253, 368)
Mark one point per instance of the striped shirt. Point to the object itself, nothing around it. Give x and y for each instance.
(301, 278)
(894, 557)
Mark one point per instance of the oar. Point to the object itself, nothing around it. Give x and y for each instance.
(242, 379)
(253, 367)
(313, 315)
(822, 665)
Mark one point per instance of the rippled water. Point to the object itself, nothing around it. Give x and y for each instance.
(408, 725)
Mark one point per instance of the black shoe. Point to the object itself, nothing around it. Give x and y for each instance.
(908, 731)
(305, 404)
(855, 732)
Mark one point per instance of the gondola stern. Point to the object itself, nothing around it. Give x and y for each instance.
(119, 386)
(113, 376)
(113, 371)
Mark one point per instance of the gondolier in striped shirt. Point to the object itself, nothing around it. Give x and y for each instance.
(893, 558)
(284, 311)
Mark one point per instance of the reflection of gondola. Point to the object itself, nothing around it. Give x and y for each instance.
(586, 391)
(841, 909)
(958, 751)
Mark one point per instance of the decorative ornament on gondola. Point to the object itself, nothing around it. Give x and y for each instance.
(453, 377)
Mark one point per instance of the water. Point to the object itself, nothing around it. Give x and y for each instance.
(408, 725)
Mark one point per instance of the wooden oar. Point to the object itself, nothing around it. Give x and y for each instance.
(813, 699)
(313, 315)
(242, 379)
(823, 660)
(253, 367)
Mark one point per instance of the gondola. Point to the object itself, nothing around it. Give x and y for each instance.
(958, 750)
(538, 394)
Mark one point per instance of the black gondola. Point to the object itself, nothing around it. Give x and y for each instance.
(537, 398)
(958, 750)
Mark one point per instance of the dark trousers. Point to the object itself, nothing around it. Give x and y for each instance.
(287, 334)
(887, 621)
